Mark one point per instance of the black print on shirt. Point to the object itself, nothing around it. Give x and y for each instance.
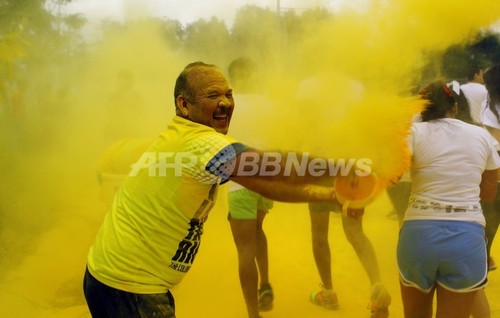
(188, 247)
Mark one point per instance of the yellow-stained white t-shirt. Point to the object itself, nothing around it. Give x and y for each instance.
(151, 235)
(449, 158)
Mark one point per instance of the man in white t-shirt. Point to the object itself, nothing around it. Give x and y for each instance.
(491, 122)
(475, 92)
(247, 208)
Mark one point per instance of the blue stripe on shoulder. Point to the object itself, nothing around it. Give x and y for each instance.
(222, 164)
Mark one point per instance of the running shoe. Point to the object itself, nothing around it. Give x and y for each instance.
(380, 301)
(266, 297)
(325, 299)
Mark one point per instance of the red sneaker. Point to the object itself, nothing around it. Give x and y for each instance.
(324, 299)
(380, 301)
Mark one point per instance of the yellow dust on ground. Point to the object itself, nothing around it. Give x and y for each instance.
(48, 282)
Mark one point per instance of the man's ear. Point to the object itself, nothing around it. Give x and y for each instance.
(181, 106)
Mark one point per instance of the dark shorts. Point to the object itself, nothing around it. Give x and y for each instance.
(325, 207)
(107, 302)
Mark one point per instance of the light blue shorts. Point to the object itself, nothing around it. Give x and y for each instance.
(244, 203)
(449, 253)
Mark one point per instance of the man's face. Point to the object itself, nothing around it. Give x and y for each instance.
(213, 99)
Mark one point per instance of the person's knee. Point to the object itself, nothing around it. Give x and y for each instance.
(320, 244)
(358, 240)
(247, 250)
(353, 231)
(353, 239)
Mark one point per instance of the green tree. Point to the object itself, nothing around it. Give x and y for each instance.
(12, 43)
(482, 51)
(173, 32)
(34, 35)
(256, 32)
(486, 47)
(208, 40)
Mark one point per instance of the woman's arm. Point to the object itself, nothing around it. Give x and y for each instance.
(488, 185)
